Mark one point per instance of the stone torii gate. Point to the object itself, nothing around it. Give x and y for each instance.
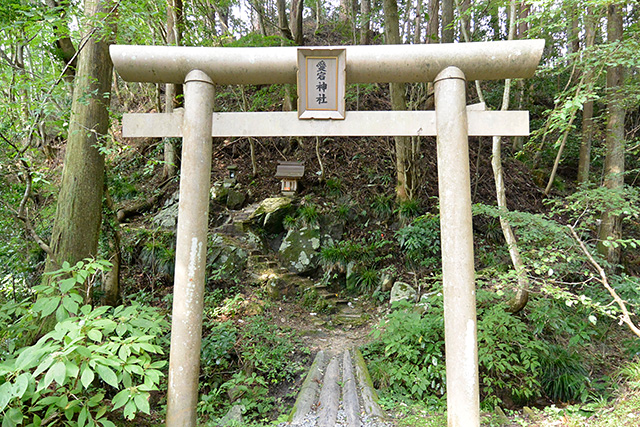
(447, 65)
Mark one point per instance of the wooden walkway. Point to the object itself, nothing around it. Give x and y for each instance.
(337, 392)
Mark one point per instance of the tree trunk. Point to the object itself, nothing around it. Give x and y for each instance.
(319, 13)
(447, 21)
(465, 17)
(521, 296)
(174, 38)
(398, 102)
(297, 7)
(365, 15)
(78, 217)
(433, 26)
(584, 162)
(614, 160)
(283, 22)
(417, 32)
(64, 45)
(574, 31)
(523, 25)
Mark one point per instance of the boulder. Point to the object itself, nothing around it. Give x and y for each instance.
(225, 258)
(233, 417)
(386, 281)
(402, 291)
(167, 217)
(235, 199)
(219, 192)
(300, 250)
(271, 212)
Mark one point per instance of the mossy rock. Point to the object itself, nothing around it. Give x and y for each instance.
(300, 250)
(271, 213)
(225, 258)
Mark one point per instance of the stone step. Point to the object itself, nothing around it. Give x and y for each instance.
(263, 262)
(337, 392)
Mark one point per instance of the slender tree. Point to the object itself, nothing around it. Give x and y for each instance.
(365, 17)
(611, 226)
(447, 21)
(521, 296)
(297, 7)
(283, 21)
(404, 187)
(64, 45)
(174, 38)
(433, 26)
(584, 161)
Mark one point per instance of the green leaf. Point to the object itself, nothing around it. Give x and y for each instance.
(130, 410)
(95, 335)
(105, 324)
(72, 369)
(46, 306)
(70, 305)
(12, 417)
(121, 398)
(87, 377)
(121, 329)
(58, 373)
(7, 422)
(142, 402)
(29, 357)
(82, 417)
(107, 375)
(21, 384)
(124, 352)
(68, 413)
(67, 284)
(5, 395)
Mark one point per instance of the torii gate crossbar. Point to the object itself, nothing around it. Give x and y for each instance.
(448, 65)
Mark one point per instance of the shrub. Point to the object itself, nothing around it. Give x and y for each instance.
(363, 280)
(97, 351)
(268, 349)
(508, 353)
(308, 215)
(407, 356)
(334, 186)
(90, 354)
(363, 258)
(420, 241)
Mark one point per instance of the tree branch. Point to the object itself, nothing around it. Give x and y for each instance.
(626, 317)
(22, 213)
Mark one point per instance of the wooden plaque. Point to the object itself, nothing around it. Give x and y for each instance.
(321, 83)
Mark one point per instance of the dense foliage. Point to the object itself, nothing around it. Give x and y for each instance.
(65, 358)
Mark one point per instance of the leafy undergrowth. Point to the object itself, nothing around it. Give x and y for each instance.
(624, 411)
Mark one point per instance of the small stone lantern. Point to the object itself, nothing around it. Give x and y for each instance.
(289, 173)
(231, 178)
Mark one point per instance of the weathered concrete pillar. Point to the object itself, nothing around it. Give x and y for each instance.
(191, 250)
(463, 399)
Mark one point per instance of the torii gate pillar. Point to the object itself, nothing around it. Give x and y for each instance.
(191, 250)
(456, 240)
